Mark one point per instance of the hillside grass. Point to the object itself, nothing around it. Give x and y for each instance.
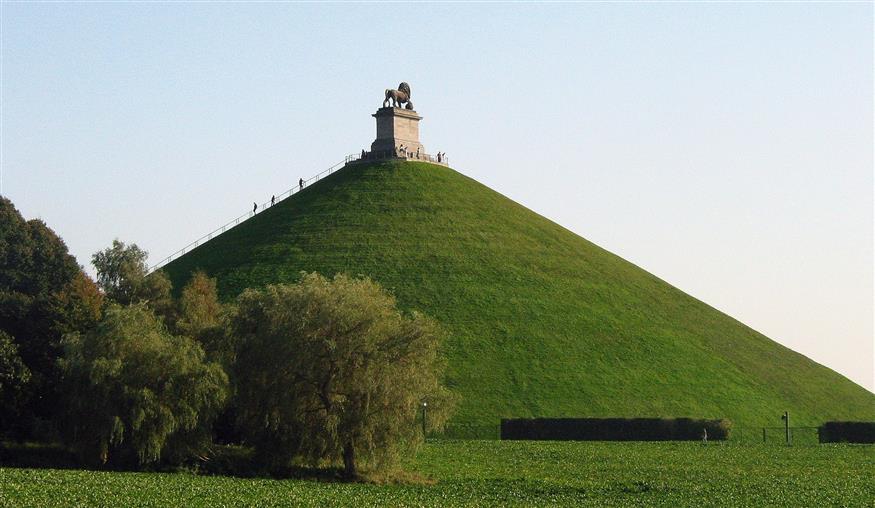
(508, 473)
(540, 322)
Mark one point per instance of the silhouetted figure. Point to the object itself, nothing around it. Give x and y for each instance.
(272, 200)
(300, 184)
(439, 156)
(363, 154)
(254, 207)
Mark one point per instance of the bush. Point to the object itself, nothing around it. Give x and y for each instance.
(847, 432)
(614, 429)
(135, 393)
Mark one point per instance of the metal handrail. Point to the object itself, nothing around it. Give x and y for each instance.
(233, 222)
(389, 154)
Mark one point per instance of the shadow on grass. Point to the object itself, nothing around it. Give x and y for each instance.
(37, 456)
(224, 460)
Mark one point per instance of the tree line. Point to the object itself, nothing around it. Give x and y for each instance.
(322, 372)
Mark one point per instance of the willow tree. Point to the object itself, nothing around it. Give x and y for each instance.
(330, 371)
(137, 393)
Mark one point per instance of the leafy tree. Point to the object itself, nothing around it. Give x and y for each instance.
(330, 370)
(14, 374)
(80, 303)
(123, 275)
(43, 295)
(199, 306)
(121, 270)
(33, 259)
(34, 268)
(133, 390)
(16, 247)
(202, 316)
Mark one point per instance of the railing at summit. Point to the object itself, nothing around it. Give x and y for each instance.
(388, 154)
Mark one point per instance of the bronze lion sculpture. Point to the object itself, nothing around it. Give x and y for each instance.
(398, 97)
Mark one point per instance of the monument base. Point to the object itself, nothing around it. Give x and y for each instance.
(397, 132)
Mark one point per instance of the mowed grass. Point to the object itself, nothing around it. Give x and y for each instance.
(540, 322)
(490, 473)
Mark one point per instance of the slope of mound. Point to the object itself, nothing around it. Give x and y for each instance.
(541, 322)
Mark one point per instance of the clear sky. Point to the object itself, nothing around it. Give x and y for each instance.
(725, 147)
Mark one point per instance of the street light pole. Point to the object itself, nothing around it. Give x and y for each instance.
(424, 413)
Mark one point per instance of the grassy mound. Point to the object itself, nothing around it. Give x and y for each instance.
(541, 322)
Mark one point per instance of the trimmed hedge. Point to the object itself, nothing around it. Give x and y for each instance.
(613, 429)
(847, 432)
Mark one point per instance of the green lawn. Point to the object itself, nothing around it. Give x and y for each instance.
(540, 322)
(491, 473)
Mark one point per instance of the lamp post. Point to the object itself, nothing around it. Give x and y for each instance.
(424, 413)
(786, 418)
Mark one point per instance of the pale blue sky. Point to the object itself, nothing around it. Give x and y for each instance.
(726, 148)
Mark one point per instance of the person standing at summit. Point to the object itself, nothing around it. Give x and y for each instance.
(300, 184)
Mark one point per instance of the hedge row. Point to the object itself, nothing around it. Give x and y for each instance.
(848, 432)
(614, 429)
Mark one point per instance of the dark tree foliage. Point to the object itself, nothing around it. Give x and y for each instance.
(14, 374)
(329, 371)
(43, 295)
(135, 393)
(34, 268)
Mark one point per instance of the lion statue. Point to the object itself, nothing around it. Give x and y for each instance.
(398, 97)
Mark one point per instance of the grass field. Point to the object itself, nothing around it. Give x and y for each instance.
(491, 473)
(541, 322)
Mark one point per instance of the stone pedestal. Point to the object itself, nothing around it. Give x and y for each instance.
(397, 127)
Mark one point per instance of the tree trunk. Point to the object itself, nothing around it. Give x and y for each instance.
(349, 469)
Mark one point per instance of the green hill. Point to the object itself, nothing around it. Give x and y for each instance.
(541, 322)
